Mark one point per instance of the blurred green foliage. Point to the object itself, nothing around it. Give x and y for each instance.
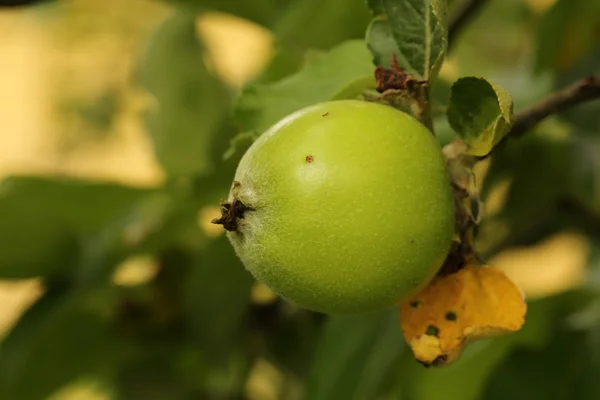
(192, 332)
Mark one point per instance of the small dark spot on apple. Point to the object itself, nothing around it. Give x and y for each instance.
(309, 159)
(326, 114)
(451, 316)
(432, 330)
(415, 303)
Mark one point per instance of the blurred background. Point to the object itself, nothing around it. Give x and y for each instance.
(118, 139)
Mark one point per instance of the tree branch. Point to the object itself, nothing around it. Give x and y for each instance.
(462, 17)
(582, 91)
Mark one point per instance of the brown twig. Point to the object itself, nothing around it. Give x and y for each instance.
(462, 17)
(584, 90)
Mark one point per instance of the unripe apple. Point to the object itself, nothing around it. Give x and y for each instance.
(342, 207)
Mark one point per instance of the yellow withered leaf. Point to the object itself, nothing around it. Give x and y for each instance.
(473, 303)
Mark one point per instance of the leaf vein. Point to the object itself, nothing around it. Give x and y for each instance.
(427, 40)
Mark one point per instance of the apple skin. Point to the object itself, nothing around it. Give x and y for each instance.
(346, 207)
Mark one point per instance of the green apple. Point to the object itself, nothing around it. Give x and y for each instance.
(342, 207)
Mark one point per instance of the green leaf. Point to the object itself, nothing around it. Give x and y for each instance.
(480, 112)
(55, 342)
(354, 356)
(357, 88)
(192, 103)
(414, 31)
(42, 220)
(467, 376)
(588, 384)
(288, 19)
(216, 298)
(260, 11)
(290, 338)
(565, 34)
(321, 24)
(321, 79)
(566, 368)
(240, 143)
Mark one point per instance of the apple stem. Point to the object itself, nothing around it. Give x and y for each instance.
(467, 216)
(424, 107)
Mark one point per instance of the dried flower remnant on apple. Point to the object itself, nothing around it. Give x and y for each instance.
(231, 212)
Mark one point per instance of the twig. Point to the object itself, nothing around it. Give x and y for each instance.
(584, 90)
(463, 16)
